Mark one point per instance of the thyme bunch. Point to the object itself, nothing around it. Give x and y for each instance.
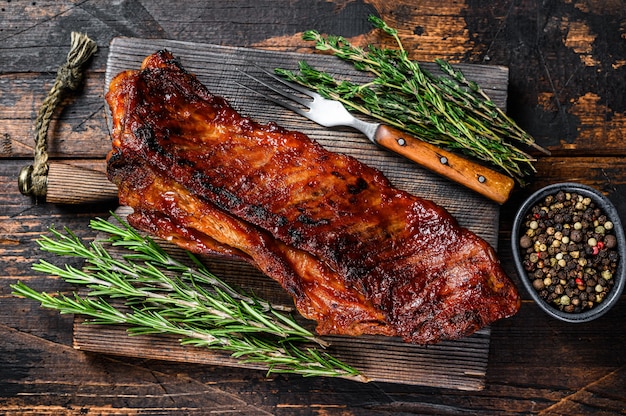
(162, 295)
(446, 110)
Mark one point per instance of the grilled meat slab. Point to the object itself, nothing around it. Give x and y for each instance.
(358, 255)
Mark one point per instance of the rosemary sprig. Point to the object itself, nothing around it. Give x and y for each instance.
(448, 110)
(158, 294)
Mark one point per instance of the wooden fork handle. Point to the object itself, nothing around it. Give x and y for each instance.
(485, 181)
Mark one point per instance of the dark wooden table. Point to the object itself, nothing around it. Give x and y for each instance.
(567, 87)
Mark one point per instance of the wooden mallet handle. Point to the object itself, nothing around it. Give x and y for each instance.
(68, 184)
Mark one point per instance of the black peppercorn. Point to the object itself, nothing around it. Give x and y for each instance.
(526, 241)
(569, 250)
(610, 241)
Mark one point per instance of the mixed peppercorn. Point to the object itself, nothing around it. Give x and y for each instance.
(569, 251)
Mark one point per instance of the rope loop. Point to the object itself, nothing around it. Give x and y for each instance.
(33, 179)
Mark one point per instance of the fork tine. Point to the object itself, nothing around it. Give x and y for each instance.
(285, 94)
(285, 104)
(289, 84)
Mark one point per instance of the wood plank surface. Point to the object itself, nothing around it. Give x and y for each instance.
(459, 364)
(567, 76)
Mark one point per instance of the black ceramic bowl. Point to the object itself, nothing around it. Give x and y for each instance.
(620, 274)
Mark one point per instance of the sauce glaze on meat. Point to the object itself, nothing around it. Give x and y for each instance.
(358, 255)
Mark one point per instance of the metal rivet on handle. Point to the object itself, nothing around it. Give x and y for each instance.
(401, 141)
(443, 160)
(482, 179)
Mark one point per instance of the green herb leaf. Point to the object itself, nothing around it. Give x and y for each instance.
(447, 110)
(161, 295)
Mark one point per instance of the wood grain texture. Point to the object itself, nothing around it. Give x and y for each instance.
(88, 378)
(566, 82)
(69, 184)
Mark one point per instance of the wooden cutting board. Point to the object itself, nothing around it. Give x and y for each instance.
(459, 364)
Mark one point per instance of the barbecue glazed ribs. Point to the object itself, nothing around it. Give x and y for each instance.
(356, 254)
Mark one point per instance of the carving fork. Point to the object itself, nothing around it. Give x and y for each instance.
(330, 113)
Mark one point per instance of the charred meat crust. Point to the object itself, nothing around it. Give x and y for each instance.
(408, 267)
